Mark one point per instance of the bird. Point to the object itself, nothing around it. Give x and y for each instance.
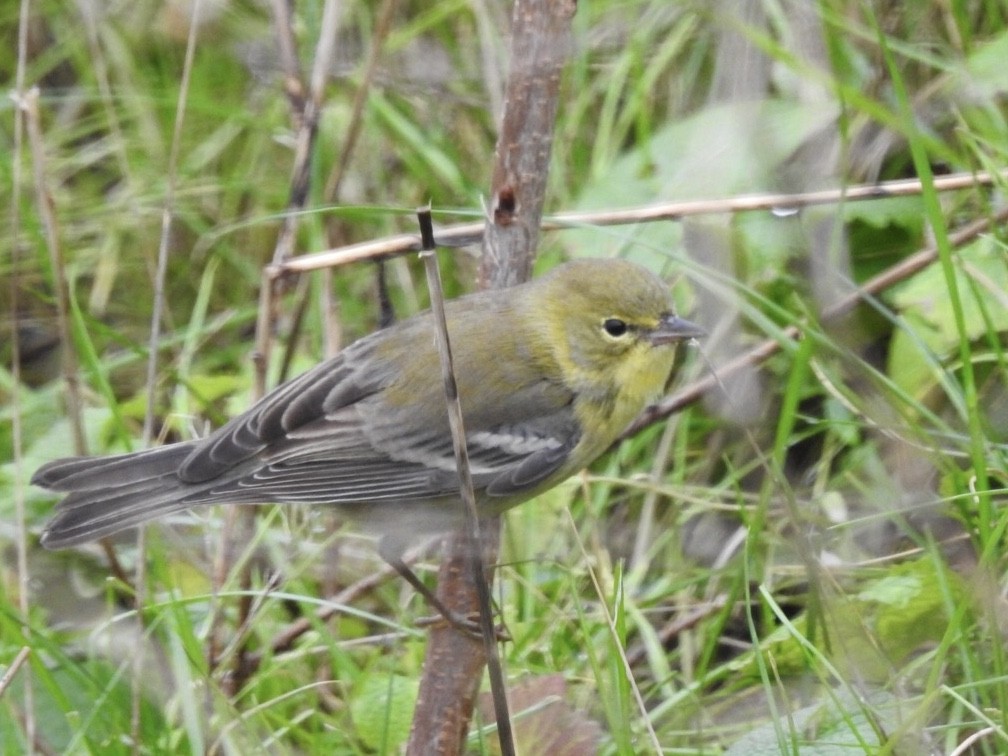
(549, 373)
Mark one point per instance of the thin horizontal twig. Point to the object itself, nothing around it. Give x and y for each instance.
(466, 234)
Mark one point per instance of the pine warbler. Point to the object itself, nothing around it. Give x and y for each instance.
(549, 373)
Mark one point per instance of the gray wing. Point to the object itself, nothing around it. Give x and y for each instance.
(344, 457)
(329, 437)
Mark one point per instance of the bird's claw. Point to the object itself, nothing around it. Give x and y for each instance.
(469, 625)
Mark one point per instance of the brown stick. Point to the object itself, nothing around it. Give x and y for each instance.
(465, 234)
(540, 42)
(453, 665)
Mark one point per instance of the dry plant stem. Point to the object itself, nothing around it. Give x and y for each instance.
(23, 576)
(539, 45)
(236, 648)
(307, 122)
(381, 31)
(331, 324)
(305, 115)
(671, 629)
(115, 566)
(302, 298)
(305, 112)
(284, 641)
(761, 353)
(472, 517)
(466, 234)
(489, 17)
(330, 193)
(287, 52)
(967, 744)
(61, 285)
(12, 669)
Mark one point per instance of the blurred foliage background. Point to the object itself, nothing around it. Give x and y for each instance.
(810, 558)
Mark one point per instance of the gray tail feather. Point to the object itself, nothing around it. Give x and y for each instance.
(108, 494)
(85, 473)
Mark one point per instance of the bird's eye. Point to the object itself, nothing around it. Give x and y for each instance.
(615, 327)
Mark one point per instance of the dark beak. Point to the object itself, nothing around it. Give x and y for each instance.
(672, 329)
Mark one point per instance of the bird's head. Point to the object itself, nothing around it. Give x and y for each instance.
(613, 327)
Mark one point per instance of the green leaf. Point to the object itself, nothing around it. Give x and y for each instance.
(927, 313)
(839, 725)
(985, 74)
(382, 709)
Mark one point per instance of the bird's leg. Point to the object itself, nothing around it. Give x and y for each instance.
(466, 625)
(391, 552)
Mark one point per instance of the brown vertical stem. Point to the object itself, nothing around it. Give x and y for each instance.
(453, 666)
(540, 42)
